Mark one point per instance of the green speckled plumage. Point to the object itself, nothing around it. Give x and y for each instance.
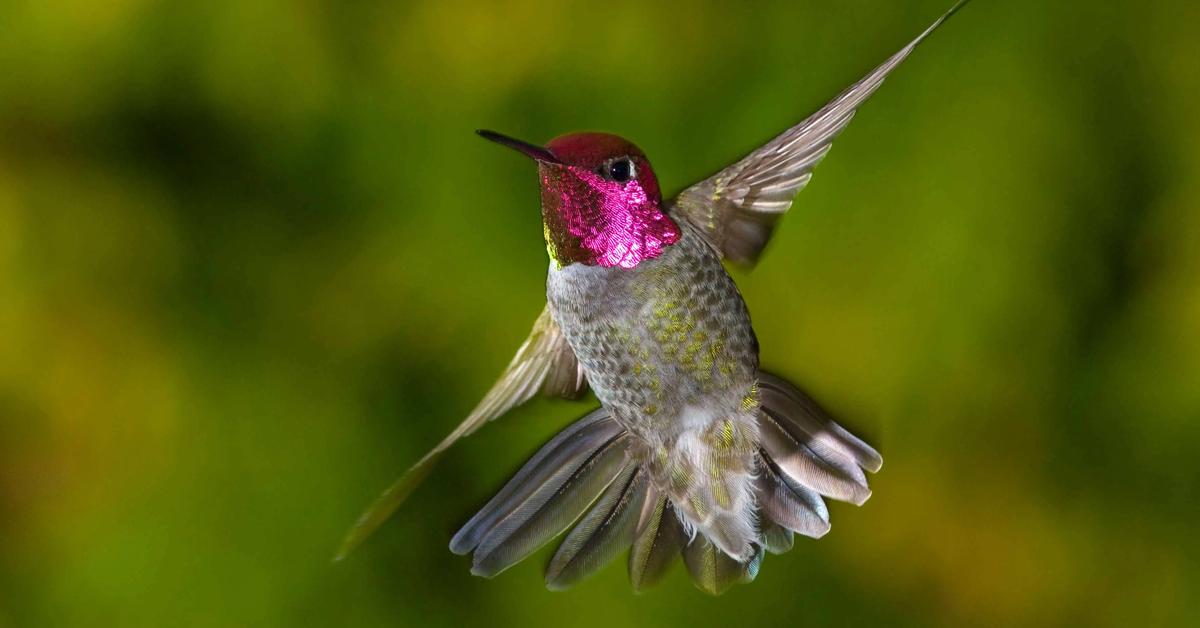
(668, 349)
(672, 330)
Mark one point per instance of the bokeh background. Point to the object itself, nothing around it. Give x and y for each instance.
(253, 263)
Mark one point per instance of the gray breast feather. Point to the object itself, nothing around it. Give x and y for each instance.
(670, 333)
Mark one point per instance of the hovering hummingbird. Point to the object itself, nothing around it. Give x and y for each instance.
(694, 450)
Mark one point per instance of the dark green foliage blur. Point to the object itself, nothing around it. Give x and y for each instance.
(254, 262)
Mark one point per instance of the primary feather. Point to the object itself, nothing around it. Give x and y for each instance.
(544, 362)
(738, 207)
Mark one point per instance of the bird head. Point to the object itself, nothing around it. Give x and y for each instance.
(601, 205)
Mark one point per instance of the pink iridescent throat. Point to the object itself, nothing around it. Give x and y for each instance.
(596, 221)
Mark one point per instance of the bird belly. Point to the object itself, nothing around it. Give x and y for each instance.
(668, 349)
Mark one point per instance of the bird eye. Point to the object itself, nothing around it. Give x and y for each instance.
(621, 170)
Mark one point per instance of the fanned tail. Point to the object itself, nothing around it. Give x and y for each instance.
(596, 481)
(802, 456)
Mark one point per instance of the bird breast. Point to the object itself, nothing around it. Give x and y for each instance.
(667, 345)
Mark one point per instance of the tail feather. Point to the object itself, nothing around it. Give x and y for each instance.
(659, 539)
(605, 531)
(809, 464)
(713, 571)
(787, 504)
(547, 468)
(720, 497)
(552, 504)
(776, 538)
(804, 454)
(708, 476)
(801, 413)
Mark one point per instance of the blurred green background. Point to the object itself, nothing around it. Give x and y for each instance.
(253, 263)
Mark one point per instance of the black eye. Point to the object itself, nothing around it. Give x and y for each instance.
(620, 170)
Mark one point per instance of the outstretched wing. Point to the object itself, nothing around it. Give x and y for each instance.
(544, 363)
(737, 208)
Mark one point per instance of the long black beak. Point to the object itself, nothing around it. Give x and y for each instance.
(531, 150)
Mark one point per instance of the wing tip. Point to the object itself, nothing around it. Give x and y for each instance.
(386, 505)
(941, 20)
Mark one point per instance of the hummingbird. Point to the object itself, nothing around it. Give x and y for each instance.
(695, 450)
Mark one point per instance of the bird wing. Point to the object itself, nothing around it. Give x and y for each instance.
(737, 208)
(545, 363)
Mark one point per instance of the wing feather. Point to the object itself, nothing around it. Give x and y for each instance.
(737, 208)
(544, 362)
